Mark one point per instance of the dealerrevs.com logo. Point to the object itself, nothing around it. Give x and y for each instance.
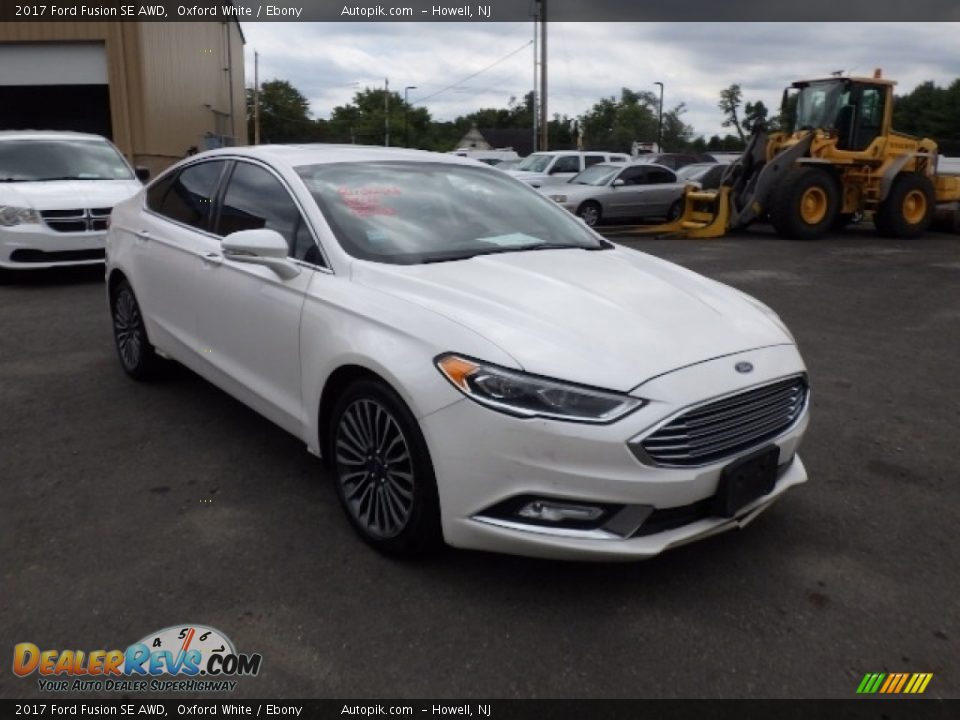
(180, 658)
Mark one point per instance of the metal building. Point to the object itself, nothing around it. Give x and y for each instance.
(156, 89)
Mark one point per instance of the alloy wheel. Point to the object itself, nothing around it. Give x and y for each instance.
(128, 328)
(374, 468)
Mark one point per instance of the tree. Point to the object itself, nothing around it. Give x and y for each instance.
(363, 121)
(730, 100)
(613, 124)
(931, 111)
(284, 114)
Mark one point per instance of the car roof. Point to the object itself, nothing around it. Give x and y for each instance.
(47, 135)
(321, 153)
(578, 152)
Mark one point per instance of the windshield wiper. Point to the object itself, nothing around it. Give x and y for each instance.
(515, 248)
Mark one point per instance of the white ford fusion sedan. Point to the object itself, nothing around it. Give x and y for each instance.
(472, 363)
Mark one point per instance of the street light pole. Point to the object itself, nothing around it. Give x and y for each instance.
(406, 110)
(660, 120)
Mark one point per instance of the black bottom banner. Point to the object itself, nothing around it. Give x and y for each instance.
(865, 709)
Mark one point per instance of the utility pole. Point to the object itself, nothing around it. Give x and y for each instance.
(256, 98)
(660, 121)
(544, 127)
(386, 112)
(406, 111)
(534, 107)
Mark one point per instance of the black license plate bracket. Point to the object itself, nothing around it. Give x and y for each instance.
(746, 480)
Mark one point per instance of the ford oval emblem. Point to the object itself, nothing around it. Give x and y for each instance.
(743, 367)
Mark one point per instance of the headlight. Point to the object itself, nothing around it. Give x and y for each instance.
(559, 198)
(10, 216)
(524, 395)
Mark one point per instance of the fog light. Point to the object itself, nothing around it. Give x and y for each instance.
(550, 511)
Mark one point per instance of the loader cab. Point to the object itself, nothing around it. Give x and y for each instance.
(856, 110)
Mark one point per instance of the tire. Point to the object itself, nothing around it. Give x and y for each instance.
(674, 212)
(805, 203)
(590, 212)
(382, 470)
(137, 356)
(909, 208)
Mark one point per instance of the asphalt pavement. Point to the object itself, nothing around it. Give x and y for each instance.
(130, 507)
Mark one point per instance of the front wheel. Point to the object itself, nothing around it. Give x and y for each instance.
(805, 203)
(384, 476)
(137, 356)
(909, 208)
(590, 212)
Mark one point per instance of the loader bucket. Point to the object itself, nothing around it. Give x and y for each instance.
(706, 214)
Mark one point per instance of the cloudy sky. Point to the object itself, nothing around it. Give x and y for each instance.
(329, 62)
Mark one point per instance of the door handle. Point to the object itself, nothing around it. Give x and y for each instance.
(212, 259)
(142, 235)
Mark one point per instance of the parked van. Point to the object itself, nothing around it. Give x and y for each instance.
(557, 166)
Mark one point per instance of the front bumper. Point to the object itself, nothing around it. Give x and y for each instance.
(35, 247)
(483, 458)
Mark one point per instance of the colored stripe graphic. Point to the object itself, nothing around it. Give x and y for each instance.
(894, 683)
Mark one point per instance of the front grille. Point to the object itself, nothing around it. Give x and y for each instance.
(77, 220)
(719, 429)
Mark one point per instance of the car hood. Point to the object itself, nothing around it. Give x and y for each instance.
(611, 318)
(67, 194)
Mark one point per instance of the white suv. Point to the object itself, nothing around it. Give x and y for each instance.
(558, 166)
(57, 190)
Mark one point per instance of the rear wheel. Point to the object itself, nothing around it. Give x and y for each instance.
(383, 472)
(909, 208)
(590, 212)
(805, 204)
(137, 356)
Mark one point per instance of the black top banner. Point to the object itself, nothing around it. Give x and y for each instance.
(853, 11)
(494, 709)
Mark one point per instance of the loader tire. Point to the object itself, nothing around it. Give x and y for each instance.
(909, 208)
(805, 204)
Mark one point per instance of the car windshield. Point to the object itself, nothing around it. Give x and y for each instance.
(535, 163)
(61, 159)
(412, 213)
(595, 175)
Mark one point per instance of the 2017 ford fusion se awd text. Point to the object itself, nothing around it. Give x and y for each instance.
(472, 362)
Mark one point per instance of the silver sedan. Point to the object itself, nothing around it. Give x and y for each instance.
(618, 190)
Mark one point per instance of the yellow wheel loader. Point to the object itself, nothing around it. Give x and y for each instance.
(841, 160)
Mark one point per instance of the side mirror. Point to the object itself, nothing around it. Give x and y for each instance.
(619, 183)
(260, 247)
(142, 173)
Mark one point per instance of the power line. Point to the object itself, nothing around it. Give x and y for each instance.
(418, 101)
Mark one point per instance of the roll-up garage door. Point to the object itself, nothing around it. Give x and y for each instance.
(54, 86)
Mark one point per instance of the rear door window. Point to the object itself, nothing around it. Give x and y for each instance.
(189, 198)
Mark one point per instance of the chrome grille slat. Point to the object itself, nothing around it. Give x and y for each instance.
(722, 428)
(790, 394)
(77, 219)
(756, 432)
(710, 409)
(737, 423)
